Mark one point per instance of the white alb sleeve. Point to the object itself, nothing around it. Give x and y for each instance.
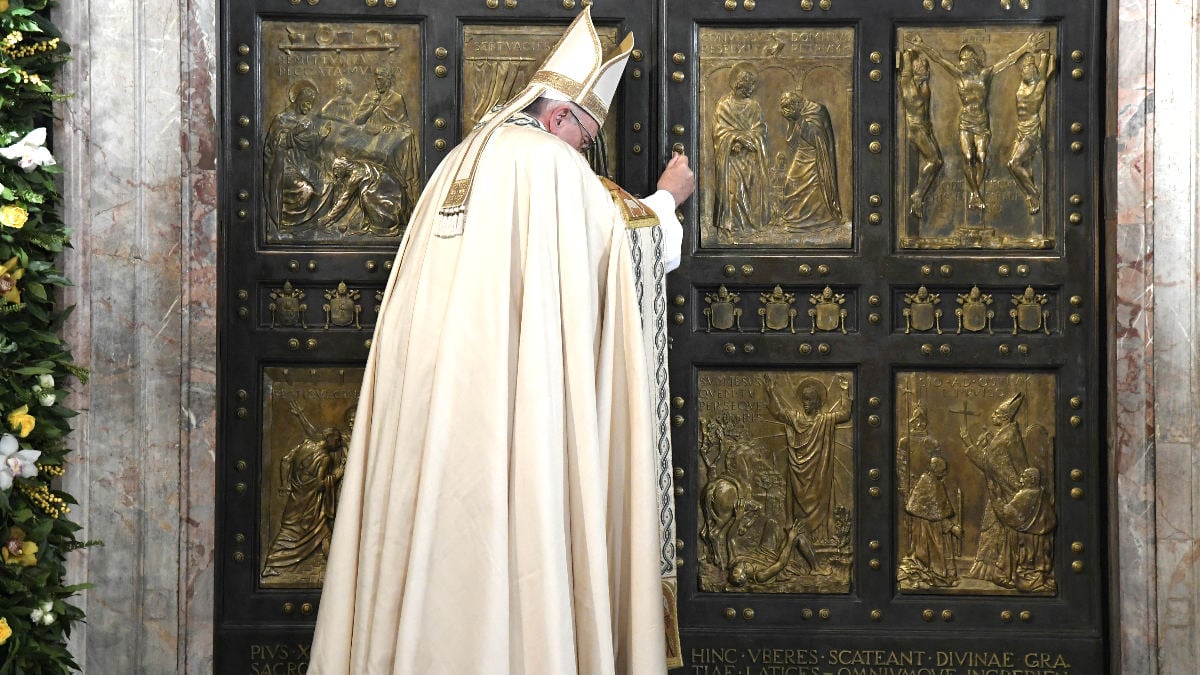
(663, 206)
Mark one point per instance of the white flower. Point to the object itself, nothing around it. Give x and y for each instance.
(48, 618)
(47, 606)
(30, 152)
(36, 615)
(44, 390)
(15, 462)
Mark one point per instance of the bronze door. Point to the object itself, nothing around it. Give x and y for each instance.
(333, 115)
(886, 362)
(895, 238)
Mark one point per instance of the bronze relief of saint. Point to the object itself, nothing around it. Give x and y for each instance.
(292, 161)
(808, 198)
(740, 138)
(310, 476)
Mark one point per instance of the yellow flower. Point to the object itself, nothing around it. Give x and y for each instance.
(13, 216)
(10, 274)
(5, 631)
(17, 551)
(3, 8)
(21, 421)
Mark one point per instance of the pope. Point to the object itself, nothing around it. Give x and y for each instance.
(506, 504)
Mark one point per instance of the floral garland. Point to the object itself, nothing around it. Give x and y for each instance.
(35, 534)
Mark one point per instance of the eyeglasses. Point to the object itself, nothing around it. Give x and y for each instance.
(589, 139)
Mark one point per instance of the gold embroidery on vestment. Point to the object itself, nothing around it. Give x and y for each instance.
(633, 210)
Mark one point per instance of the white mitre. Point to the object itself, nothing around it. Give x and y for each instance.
(576, 71)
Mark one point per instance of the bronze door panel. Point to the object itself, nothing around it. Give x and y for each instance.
(975, 164)
(975, 475)
(776, 479)
(942, 304)
(308, 414)
(333, 114)
(776, 137)
(340, 150)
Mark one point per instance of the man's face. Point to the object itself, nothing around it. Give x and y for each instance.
(937, 466)
(577, 128)
(1029, 71)
(811, 404)
(382, 81)
(746, 84)
(921, 69)
(305, 100)
(968, 61)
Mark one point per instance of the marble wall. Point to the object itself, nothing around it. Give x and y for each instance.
(138, 139)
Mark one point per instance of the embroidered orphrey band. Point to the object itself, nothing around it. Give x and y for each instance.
(635, 213)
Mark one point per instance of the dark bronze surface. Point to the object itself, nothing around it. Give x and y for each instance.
(341, 113)
(960, 555)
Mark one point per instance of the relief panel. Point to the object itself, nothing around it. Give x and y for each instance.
(776, 146)
(975, 455)
(341, 151)
(498, 61)
(776, 451)
(308, 414)
(976, 160)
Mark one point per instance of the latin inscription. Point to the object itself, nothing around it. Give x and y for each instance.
(278, 659)
(292, 659)
(769, 661)
(777, 43)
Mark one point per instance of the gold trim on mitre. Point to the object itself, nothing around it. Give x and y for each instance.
(576, 69)
(572, 60)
